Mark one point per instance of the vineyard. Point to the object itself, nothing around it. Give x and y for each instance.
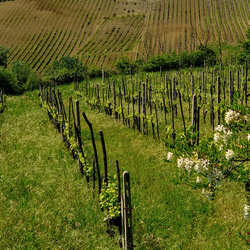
(141, 117)
(152, 157)
(100, 32)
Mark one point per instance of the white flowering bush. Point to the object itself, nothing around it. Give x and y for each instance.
(223, 155)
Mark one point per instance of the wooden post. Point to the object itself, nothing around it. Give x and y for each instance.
(198, 126)
(114, 100)
(126, 212)
(69, 120)
(103, 75)
(165, 109)
(95, 151)
(231, 88)
(242, 83)
(194, 116)
(139, 111)
(144, 108)
(218, 99)
(182, 115)
(171, 102)
(78, 132)
(118, 180)
(245, 85)
(157, 125)
(204, 91)
(104, 158)
(124, 89)
(61, 112)
(211, 107)
(192, 84)
(238, 80)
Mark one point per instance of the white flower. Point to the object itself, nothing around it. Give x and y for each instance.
(233, 117)
(222, 134)
(201, 165)
(248, 137)
(186, 163)
(229, 154)
(170, 156)
(220, 128)
(245, 211)
(180, 162)
(198, 179)
(216, 137)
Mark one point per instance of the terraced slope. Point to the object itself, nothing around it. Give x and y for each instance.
(101, 31)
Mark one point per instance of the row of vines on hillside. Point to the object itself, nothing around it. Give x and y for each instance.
(110, 195)
(158, 104)
(183, 109)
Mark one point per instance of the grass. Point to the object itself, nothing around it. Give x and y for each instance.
(167, 215)
(44, 203)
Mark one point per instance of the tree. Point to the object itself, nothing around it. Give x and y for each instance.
(245, 53)
(3, 56)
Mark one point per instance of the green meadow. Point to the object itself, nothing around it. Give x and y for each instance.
(46, 204)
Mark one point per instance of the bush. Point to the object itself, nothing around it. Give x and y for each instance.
(125, 66)
(8, 81)
(18, 78)
(66, 70)
(3, 56)
(245, 53)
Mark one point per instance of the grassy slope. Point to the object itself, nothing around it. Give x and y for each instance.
(43, 201)
(45, 204)
(166, 215)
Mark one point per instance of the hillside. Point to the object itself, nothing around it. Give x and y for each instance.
(101, 31)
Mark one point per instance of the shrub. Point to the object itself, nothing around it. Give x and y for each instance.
(18, 78)
(8, 81)
(3, 56)
(245, 53)
(66, 70)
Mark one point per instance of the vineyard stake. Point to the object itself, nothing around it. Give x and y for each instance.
(104, 158)
(182, 115)
(95, 151)
(194, 116)
(218, 99)
(114, 100)
(231, 88)
(78, 132)
(143, 108)
(127, 213)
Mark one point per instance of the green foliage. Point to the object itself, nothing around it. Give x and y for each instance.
(109, 198)
(18, 78)
(97, 72)
(8, 81)
(225, 155)
(245, 53)
(175, 61)
(3, 56)
(125, 66)
(66, 70)
(44, 201)
(22, 71)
